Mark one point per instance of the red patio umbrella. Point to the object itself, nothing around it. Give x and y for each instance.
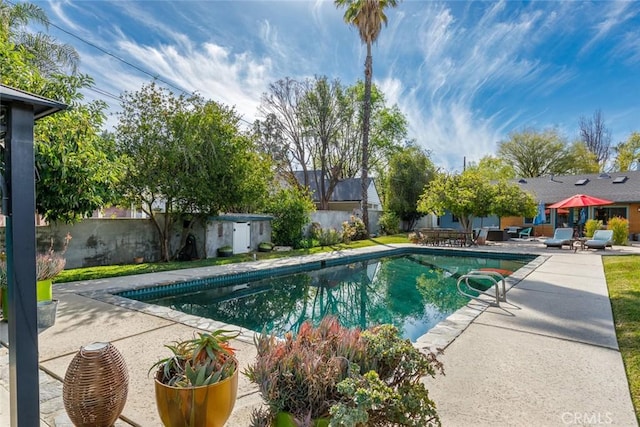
(580, 201)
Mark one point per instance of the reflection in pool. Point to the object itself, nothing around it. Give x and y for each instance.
(413, 292)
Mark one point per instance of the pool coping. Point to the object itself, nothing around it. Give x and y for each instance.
(437, 338)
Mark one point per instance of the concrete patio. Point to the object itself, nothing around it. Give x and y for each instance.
(547, 357)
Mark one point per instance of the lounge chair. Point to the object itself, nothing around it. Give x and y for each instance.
(525, 233)
(562, 236)
(600, 240)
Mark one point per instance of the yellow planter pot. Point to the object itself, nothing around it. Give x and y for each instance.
(206, 406)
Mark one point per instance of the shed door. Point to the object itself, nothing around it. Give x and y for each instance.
(241, 237)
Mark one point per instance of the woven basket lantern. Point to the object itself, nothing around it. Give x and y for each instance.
(95, 386)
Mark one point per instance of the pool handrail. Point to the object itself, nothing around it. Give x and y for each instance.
(500, 294)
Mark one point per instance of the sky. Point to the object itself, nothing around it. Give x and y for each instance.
(465, 74)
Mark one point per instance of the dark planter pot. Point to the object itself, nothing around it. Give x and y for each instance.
(225, 252)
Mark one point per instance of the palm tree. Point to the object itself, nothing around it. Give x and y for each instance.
(48, 55)
(367, 16)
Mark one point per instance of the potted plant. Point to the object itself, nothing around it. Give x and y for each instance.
(265, 247)
(197, 385)
(225, 251)
(48, 266)
(344, 376)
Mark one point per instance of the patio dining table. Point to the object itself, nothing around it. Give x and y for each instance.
(445, 237)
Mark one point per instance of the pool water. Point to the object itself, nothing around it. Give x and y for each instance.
(413, 292)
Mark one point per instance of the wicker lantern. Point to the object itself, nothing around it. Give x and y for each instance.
(95, 386)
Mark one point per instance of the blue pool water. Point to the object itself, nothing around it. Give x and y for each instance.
(413, 292)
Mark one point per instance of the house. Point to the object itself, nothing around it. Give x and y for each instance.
(623, 188)
(347, 194)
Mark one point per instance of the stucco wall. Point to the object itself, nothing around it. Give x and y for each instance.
(101, 241)
(98, 241)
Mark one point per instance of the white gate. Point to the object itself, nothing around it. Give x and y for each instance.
(241, 237)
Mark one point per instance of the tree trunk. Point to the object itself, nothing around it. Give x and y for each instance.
(368, 71)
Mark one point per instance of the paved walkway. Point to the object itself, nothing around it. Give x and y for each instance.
(548, 357)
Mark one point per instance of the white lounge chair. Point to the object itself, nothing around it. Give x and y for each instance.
(562, 236)
(600, 240)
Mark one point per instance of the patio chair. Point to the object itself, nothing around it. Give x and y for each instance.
(600, 240)
(562, 236)
(526, 232)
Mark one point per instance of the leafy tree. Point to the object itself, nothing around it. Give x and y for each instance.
(532, 153)
(367, 16)
(584, 160)
(47, 54)
(387, 131)
(494, 168)
(186, 156)
(469, 195)
(410, 170)
(77, 167)
(628, 153)
(596, 136)
(291, 209)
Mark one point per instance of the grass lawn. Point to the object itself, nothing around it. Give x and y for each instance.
(89, 273)
(623, 274)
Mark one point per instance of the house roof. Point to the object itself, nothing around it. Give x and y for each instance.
(612, 186)
(347, 190)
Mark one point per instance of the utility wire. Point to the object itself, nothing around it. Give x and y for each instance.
(118, 58)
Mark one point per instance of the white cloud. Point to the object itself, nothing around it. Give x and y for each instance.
(617, 13)
(212, 70)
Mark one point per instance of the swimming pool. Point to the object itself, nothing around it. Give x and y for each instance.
(413, 291)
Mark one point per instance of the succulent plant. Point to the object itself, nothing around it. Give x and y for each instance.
(354, 377)
(203, 360)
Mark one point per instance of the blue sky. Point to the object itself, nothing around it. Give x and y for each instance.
(464, 73)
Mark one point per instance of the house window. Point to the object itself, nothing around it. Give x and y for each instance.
(261, 228)
(220, 230)
(454, 218)
(604, 214)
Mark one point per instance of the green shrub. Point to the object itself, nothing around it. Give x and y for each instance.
(329, 237)
(353, 230)
(307, 243)
(620, 227)
(591, 226)
(290, 208)
(315, 229)
(389, 223)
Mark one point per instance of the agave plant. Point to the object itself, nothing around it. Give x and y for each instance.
(203, 360)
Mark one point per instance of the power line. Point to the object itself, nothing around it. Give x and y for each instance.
(106, 52)
(118, 58)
